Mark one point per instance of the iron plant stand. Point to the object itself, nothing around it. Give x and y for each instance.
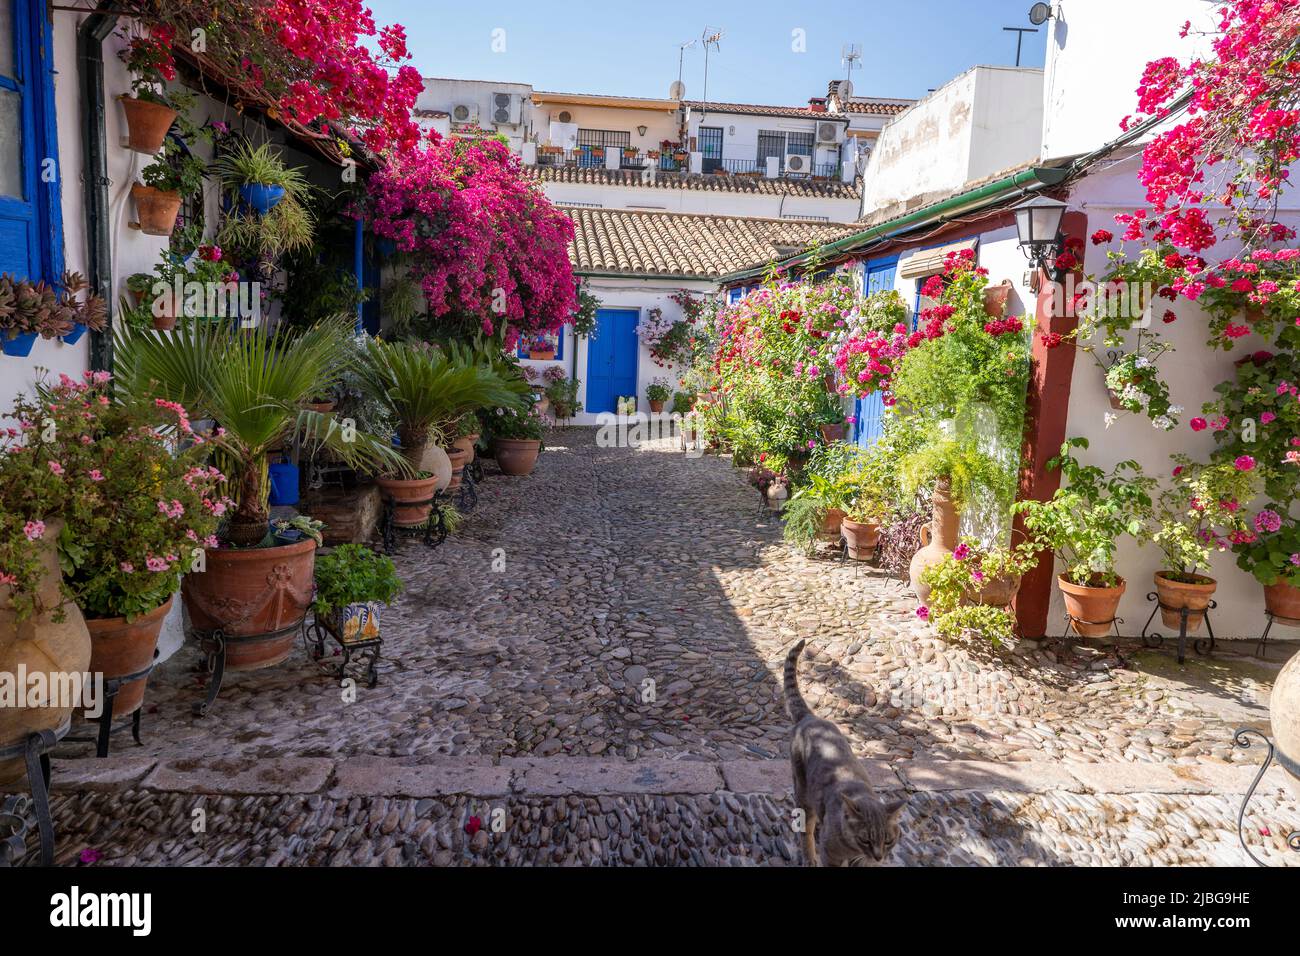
(105, 720)
(467, 493)
(1201, 645)
(1261, 646)
(1242, 739)
(216, 643)
(433, 531)
(17, 811)
(368, 650)
(1071, 621)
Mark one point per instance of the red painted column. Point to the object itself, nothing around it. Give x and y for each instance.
(1048, 406)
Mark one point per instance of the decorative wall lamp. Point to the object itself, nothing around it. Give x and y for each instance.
(1038, 229)
(640, 130)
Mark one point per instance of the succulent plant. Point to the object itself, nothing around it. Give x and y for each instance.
(27, 306)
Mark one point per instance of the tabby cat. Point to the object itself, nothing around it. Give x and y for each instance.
(845, 824)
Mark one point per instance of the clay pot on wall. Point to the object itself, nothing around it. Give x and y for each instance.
(253, 592)
(996, 298)
(1193, 595)
(1092, 609)
(157, 209)
(831, 433)
(938, 538)
(40, 645)
(656, 406)
(119, 647)
(147, 124)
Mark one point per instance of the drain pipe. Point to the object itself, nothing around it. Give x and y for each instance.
(94, 174)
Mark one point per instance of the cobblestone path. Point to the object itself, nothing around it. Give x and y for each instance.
(511, 723)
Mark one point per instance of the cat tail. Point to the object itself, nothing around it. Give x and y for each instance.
(795, 705)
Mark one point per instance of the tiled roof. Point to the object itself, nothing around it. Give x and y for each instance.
(673, 244)
(809, 188)
(750, 109)
(874, 107)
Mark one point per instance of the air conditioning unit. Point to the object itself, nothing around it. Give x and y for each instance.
(565, 117)
(798, 163)
(829, 132)
(505, 109)
(464, 114)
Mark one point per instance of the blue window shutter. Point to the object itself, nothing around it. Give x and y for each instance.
(870, 411)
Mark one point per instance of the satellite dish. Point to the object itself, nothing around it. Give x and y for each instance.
(1040, 13)
(677, 90)
(846, 89)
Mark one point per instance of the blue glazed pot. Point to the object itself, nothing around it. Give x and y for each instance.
(20, 346)
(284, 483)
(73, 337)
(261, 197)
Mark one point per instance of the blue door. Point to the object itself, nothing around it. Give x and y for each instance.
(870, 411)
(612, 359)
(30, 227)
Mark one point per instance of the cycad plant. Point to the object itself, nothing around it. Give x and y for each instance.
(428, 390)
(255, 384)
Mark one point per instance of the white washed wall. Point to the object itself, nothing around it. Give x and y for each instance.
(704, 202)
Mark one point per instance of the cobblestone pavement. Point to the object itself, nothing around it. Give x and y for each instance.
(625, 566)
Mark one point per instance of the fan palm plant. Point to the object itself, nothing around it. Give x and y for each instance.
(428, 390)
(255, 384)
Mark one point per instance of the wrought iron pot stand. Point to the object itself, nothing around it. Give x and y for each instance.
(216, 643)
(1203, 646)
(433, 531)
(1261, 646)
(367, 649)
(18, 812)
(1242, 739)
(105, 723)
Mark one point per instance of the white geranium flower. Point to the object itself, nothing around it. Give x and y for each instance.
(1111, 419)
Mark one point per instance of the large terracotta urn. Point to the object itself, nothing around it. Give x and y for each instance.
(938, 538)
(40, 645)
(250, 594)
(1284, 713)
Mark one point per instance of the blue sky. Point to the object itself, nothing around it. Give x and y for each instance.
(631, 48)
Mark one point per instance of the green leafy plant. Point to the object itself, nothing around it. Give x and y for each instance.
(967, 469)
(658, 390)
(808, 506)
(1256, 419)
(1084, 522)
(584, 317)
(958, 585)
(353, 574)
(304, 525)
(515, 423)
(563, 393)
(240, 163)
(175, 171)
(1271, 556)
(255, 384)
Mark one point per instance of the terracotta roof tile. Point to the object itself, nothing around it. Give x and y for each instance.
(750, 109)
(874, 107)
(674, 244)
(812, 188)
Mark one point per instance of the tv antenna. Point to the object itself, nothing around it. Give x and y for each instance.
(1020, 36)
(711, 39)
(679, 88)
(850, 55)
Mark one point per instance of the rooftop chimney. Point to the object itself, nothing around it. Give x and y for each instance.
(817, 104)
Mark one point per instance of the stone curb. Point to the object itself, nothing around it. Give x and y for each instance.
(372, 776)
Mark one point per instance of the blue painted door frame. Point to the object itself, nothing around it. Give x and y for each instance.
(612, 358)
(878, 275)
(31, 225)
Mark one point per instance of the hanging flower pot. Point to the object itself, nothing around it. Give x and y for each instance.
(996, 298)
(147, 124)
(20, 345)
(261, 197)
(1194, 595)
(158, 210)
(1092, 609)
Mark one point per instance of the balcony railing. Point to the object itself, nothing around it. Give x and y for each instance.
(587, 157)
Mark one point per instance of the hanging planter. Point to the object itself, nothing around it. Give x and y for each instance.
(20, 345)
(73, 337)
(261, 197)
(158, 209)
(147, 124)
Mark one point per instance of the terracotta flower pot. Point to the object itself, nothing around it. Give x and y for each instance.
(994, 592)
(407, 493)
(41, 646)
(1255, 313)
(1093, 609)
(656, 406)
(517, 456)
(158, 209)
(831, 522)
(249, 593)
(465, 443)
(436, 462)
(1284, 715)
(459, 459)
(322, 408)
(119, 647)
(147, 124)
(938, 538)
(1195, 596)
(996, 298)
(860, 537)
(1283, 601)
(164, 323)
(542, 355)
(831, 433)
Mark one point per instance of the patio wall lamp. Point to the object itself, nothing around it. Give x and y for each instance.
(641, 130)
(1038, 229)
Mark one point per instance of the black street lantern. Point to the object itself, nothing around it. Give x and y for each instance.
(1038, 227)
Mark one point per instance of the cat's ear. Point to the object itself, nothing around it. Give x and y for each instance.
(850, 806)
(893, 808)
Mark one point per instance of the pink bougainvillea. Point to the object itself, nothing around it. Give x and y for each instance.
(484, 243)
